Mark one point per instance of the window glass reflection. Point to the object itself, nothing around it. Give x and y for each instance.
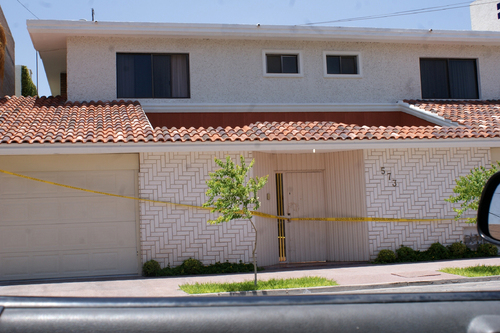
(494, 215)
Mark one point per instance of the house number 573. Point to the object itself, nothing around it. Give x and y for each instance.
(394, 182)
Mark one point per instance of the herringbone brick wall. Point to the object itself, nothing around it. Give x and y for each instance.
(171, 234)
(424, 178)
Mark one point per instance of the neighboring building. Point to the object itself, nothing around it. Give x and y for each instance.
(7, 83)
(348, 122)
(485, 15)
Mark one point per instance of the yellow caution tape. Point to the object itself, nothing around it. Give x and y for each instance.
(347, 219)
(98, 192)
(264, 215)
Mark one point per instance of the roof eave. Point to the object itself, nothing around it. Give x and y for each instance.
(293, 146)
(265, 32)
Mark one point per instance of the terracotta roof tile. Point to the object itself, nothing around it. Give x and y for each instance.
(52, 119)
(476, 119)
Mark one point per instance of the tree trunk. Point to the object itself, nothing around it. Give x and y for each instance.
(253, 254)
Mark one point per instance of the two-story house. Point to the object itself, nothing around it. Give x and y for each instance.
(347, 122)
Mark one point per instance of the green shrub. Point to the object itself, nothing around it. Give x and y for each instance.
(191, 266)
(151, 268)
(385, 256)
(423, 256)
(438, 251)
(406, 254)
(458, 250)
(487, 250)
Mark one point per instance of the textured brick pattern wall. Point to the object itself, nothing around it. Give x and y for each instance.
(424, 178)
(170, 234)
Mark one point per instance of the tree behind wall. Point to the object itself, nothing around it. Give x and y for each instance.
(28, 88)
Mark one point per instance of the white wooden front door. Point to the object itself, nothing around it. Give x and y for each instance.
(305, 197)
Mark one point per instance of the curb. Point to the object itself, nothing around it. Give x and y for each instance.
(333, 289)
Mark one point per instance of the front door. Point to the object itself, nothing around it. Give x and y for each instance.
(305, 197)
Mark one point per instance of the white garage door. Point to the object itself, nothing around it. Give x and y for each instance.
(48, 231)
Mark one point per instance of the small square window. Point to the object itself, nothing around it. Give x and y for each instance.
(342, 64)
(282, 63)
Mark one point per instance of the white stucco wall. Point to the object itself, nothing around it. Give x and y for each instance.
(425, 177)
(484, 15)
(171, 234)
(231, 71)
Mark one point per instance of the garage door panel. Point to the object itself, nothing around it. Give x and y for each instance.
(125, 182)
(12, 211)
(124, 264)
(42, 209)
(66, 237)
(13, 238)
(41, 237)
(73, 263)
(100, 181)
(36, 188)
(13, 186)
(73, 210)
(45, 264)
(122, 209)
(15, 266)
(73, 237)
(106, 235)
(106, 261)
(72, 178)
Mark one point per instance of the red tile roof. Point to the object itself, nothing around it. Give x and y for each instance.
(52, 119)
(469, 113)
(478, 119)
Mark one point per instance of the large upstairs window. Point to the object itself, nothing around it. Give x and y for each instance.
(146, 75)
(449, 78)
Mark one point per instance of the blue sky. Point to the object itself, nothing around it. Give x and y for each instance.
(286, 12)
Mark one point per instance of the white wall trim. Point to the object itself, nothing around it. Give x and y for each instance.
(155, 107)
(300, 62)
(262, 146)
(41, 30)
(343, 76)
(426, 115)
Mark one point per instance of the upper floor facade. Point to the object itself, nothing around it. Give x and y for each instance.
(190, 65)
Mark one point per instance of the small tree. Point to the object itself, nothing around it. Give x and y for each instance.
(233, 194)
(469, 188)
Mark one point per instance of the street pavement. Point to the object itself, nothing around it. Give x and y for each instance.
(352, 278)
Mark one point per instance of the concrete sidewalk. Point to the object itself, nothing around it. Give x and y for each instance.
(350, 278)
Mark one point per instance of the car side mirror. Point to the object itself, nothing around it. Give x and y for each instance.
(488, 213)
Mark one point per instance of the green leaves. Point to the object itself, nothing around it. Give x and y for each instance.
(468, 190)
(232, 192)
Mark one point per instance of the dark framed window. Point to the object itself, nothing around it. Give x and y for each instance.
(449, 78)
(341, 64)
(282, 63)
(146, 75)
